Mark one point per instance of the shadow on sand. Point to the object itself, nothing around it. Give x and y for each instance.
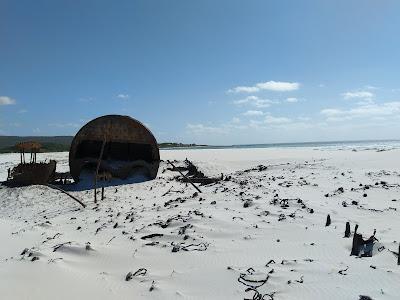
(86, 182)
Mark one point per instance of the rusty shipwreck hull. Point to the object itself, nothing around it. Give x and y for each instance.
(118, 146)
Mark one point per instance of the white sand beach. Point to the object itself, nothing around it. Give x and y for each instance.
(260, 233)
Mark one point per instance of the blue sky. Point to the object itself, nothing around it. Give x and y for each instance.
(213, 72)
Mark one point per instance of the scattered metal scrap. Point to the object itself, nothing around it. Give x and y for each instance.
(361, 246)
(139, 272)
(193, 174)
(184, 176)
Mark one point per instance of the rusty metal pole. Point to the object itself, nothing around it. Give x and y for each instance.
(65, 192)
(97, 169)
(94, 187)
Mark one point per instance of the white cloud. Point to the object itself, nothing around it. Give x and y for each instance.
(123, 96)
(235, 120)
(252, 113)
(220, 129)
(280, 123)
(358, 95)
(276, 120)
(4, 100)
(276, 86)
(64, 125)
(292, 100)
(366, 101)
(255, 123)
(86, 99)
(331, 112)
(365, 111)
(304, 119)
(244, 89)
(22, 111)
(204, 129)
(254, 101)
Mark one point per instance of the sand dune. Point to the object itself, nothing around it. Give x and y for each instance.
(210, 245)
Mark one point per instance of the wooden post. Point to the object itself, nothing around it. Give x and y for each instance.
(94, 187)
(398, 256)
(357, 242)
(328, 220)
(97, 169)
(347, 231)
(102, 192)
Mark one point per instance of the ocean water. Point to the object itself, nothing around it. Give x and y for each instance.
(332, 145)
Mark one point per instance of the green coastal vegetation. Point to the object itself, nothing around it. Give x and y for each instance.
(62, 143)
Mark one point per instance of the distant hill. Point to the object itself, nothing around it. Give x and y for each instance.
(60, 143)
(10, 141)
(49, 143)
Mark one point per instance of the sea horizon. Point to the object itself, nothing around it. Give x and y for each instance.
(339, 145)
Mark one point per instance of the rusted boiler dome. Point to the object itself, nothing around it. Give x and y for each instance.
(129, 149)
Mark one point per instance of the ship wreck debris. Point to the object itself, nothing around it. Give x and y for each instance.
(114, 147)
(107, 148)
(193, 175)
(32, 172)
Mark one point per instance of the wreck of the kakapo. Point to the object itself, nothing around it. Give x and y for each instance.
(114, 147)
